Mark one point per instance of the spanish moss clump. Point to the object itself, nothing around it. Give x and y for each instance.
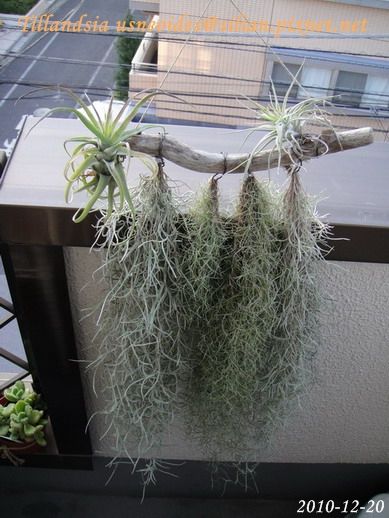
(299, 300)
(140, 355)
(204, 255)
(227, 415)
(205, 260)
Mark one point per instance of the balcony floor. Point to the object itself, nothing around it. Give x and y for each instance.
(54, 504)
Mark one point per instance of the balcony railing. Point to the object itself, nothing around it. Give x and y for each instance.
(33, 236)
(4, 352)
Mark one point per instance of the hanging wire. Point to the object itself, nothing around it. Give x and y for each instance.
(218, 176)
(160, 158)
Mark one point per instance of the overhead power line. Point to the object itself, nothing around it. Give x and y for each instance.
(105, 92)
(203, 77)
(330, 55)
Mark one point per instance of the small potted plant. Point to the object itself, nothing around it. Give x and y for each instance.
(22, 421)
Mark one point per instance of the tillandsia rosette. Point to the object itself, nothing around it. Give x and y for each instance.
(22, 417)
(98, 163)
(288, 127)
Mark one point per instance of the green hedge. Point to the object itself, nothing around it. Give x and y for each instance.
(126, 48)
(16, 6)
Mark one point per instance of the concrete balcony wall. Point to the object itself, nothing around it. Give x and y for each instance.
(343, 417)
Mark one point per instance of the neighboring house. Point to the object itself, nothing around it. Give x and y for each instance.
(211, 72)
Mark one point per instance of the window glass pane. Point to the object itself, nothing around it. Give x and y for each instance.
(282, 79)
(376, 93)
(315, 82)
(350, 86)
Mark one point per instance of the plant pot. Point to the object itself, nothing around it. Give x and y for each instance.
(20, 448)
(17, 447)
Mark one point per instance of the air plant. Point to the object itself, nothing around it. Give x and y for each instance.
(285, 125)
(204, 255)
(236, 343)
(96, 164)
(302, 234)
(141, 350)
(201, 312)
(253, 351)
(300, 300)
(140, 321)
(205, 261)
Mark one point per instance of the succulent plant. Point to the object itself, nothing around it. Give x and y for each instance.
(21, 420)
(19, 391)
(5, 413)
(26, 424)
(16, 392)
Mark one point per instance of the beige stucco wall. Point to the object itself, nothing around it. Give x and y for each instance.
(344, 416)
(278, 11)
(142, 81)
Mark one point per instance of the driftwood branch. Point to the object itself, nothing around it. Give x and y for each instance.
(205, 162)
